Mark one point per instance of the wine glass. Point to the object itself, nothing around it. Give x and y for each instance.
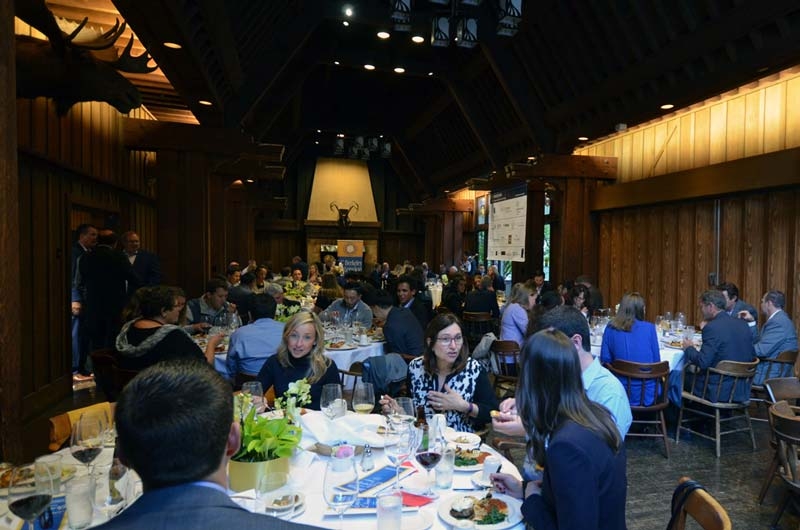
(398, 442)
(30, 492)
(87, 438)
(340, 486)
(256, 393)
(428, 454)
(363, 398)
(404, 412)
(330, 401)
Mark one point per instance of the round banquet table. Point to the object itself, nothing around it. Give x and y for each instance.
(307, 470)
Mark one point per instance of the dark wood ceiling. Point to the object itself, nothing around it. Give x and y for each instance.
(576, 68)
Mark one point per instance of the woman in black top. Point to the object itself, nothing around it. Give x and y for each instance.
(300, 355)
(155, 336)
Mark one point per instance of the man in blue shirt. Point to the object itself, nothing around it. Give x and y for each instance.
(251, 345)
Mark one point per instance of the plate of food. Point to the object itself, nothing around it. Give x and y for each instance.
(674, 344)
(470, 459)
(492, 512)
(5, 478)
(464, 440)
(280, 504)
(340, 346)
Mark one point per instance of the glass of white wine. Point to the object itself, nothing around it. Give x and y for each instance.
(363, 398)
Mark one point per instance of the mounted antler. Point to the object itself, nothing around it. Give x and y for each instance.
(344, 213)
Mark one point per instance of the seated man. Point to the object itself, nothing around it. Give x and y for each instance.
(777, 334)
(242, 295)
(733, 305)
(350, 306)
(211, 308)
(251, 345)
(407, 289)
(725, 338)
(482, 299)
(276, 292)
(401, 329)
(180, 446)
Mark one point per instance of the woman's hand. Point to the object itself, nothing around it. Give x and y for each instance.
(448, 399)
(507, 484)
(388, 404)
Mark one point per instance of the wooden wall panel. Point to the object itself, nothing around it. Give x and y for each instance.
(778, 228)
(792, 114)
(651, 288)
(753, 260)
(731, 240)
(685, 258)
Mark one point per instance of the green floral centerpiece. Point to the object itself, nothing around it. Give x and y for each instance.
(266, 445)
(283, 312)
(297, 395)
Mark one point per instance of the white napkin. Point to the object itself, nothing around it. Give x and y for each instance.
(355, 429)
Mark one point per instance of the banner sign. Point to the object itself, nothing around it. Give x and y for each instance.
(351, 254)
(508, 214)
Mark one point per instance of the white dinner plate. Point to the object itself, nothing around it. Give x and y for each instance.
(671, 347)
(344, 347)
(467, 440)
(299, 508)
(514, 513)
(477, 479)
(420, 520)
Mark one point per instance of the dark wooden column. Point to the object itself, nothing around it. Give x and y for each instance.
(10, 334)
(444, 229)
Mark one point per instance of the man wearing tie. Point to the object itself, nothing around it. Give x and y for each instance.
(145, 264)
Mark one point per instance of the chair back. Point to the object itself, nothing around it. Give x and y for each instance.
(505, 357)
(387, 373)
(476, 324)
(700, 505)
(783, 389)
(781, 366)
(786, 429)
(61, 425)
(728, 382)
(645, 383)
(355, 371)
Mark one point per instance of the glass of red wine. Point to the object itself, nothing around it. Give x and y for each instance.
(429, 453)
(30, 491)
(88, 434)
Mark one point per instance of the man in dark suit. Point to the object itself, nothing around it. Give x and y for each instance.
(777, 335)
(180, 446)
(724, 339)
(103, 274)
(407, 289)
(733, 305)
(540, 285)
(87, 240)
(401, 330)
(145, 264)
(482, 300)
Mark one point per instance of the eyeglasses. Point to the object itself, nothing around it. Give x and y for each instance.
(444, 341)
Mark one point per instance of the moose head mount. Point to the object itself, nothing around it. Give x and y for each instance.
(344, 214)
(68, 68)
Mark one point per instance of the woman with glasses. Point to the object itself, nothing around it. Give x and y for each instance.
(446, 380)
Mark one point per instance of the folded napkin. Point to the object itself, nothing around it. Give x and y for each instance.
(354, 429)
(409, 499)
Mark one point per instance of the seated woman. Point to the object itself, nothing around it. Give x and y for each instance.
(579, 297)
(630, 338)
(514, 324)
(455, 294)
(154, 334)
(576, 441)
(301, 354)
(446, 380)
(329, 291)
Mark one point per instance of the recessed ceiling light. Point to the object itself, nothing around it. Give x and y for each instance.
(345, 23)
(340, 135)
(430, 73)
(667, 106)
(383, 35)
(173, 45)
(336, 63)
(583, 138)
(369, 67)
(419, 39)
(250, 181)
(380, 136)
(348, 11)
(316, 142)
(400, 70)
(205, 102)
(531, 158)
(319, 131)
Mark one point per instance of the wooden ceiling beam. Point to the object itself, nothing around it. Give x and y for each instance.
(565, 166)
(443, 204)
(151, 135)
(219, 28)
(418, 184)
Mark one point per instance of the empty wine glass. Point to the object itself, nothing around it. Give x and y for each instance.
(340, 486)
(363, 398)
(256, 393)
(398, 445)
(88, 433)
(30, 492)
(330, 400)
(403, 412)
(428, 454)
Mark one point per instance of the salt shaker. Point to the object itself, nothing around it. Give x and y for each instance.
(367, 460)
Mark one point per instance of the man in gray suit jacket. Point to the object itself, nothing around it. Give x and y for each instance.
(777, 335)
(175, 428)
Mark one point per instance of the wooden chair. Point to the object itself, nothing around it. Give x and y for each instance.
(701, 506)
(645, 382)
(780, 366)
(356, 370)
(505, 357)
(61, 425)
(727, 378)
(786, 428)
(476, 325)
(505, 445)
(785, 389)
(103, 364)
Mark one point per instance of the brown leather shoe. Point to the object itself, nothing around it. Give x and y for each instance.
(79, 378)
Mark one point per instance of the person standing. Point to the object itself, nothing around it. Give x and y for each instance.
(145, 264)
(87, 240)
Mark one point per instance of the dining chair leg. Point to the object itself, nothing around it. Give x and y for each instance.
(716, 431)
(664, 431)
(750, 426)
(781, 508)
(773, 467)
(678, 425)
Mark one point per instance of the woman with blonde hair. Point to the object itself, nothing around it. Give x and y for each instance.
(300, 355)
(514, 324)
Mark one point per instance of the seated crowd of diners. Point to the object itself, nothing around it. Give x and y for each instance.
(574, 412)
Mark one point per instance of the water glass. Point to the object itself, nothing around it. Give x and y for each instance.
(256, 393)
(79, 501)
(390, 509)
(48, 467)
(340, 486)
(405, 412)
(688, 332)
(444, 471)
(330, 400)
(363, 398)
(491, 465)
(113, 487)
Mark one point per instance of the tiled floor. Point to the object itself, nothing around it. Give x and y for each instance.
(734, 479)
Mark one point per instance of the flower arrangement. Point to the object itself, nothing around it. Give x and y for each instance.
(283, 312)
(298, 394)
(263, 439)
